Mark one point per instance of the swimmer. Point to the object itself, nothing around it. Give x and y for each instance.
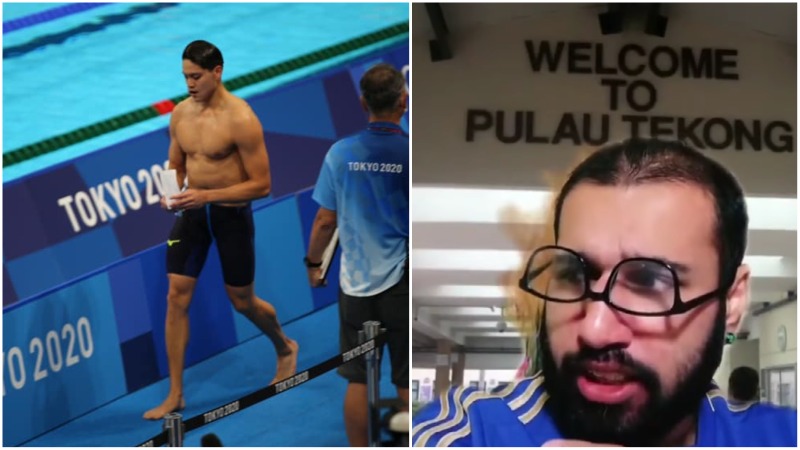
(217, 141)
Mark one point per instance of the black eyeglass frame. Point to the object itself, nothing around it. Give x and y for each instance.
(679, 306)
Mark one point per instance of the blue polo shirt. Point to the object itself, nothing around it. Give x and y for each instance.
(517, 416)
(364, 178)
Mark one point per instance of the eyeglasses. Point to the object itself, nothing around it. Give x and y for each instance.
(637, 286)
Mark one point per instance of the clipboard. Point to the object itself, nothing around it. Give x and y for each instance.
(327, 255)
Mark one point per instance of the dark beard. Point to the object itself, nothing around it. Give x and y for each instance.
(578, 418)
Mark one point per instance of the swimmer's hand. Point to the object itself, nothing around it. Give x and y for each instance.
(189, 199)
(166, 207)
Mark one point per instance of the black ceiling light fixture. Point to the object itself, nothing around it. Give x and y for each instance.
(626, 16)
(655, 24)
(611, 20)
(439, 47)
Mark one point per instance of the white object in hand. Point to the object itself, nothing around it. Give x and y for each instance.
(327, 255)
(169, 185)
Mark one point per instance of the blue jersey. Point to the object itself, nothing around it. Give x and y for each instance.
(517, 416)
(364, 178)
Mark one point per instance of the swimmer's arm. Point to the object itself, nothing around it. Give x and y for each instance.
(177, 158)
(321, 234)
(249, 139)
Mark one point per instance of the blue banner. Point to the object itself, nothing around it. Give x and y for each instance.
(110, 326)
(61, 359)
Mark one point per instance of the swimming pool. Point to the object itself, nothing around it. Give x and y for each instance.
(86, 67)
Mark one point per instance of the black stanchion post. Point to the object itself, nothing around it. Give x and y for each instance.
(371, 331)
(174, 428)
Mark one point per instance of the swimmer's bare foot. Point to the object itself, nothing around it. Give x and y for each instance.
(287, 362)
(171, 404)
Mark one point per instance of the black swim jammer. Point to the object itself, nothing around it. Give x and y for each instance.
(230, 226)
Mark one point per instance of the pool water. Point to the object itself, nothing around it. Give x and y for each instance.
(86, 67)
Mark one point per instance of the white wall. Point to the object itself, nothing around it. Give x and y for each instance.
(770, 354)
(472, 375)
(761, 350)
(724, 369)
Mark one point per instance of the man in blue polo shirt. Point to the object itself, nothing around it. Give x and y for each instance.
(363, 190)
(643, 284)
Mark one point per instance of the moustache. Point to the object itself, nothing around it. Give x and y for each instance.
(614, 360)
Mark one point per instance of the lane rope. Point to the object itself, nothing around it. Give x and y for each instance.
(161, 107)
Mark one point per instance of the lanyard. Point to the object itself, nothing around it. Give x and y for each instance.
(385, 129)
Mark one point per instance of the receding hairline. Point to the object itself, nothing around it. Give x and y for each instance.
(675, 162)
(634, 183)
(708, 196)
